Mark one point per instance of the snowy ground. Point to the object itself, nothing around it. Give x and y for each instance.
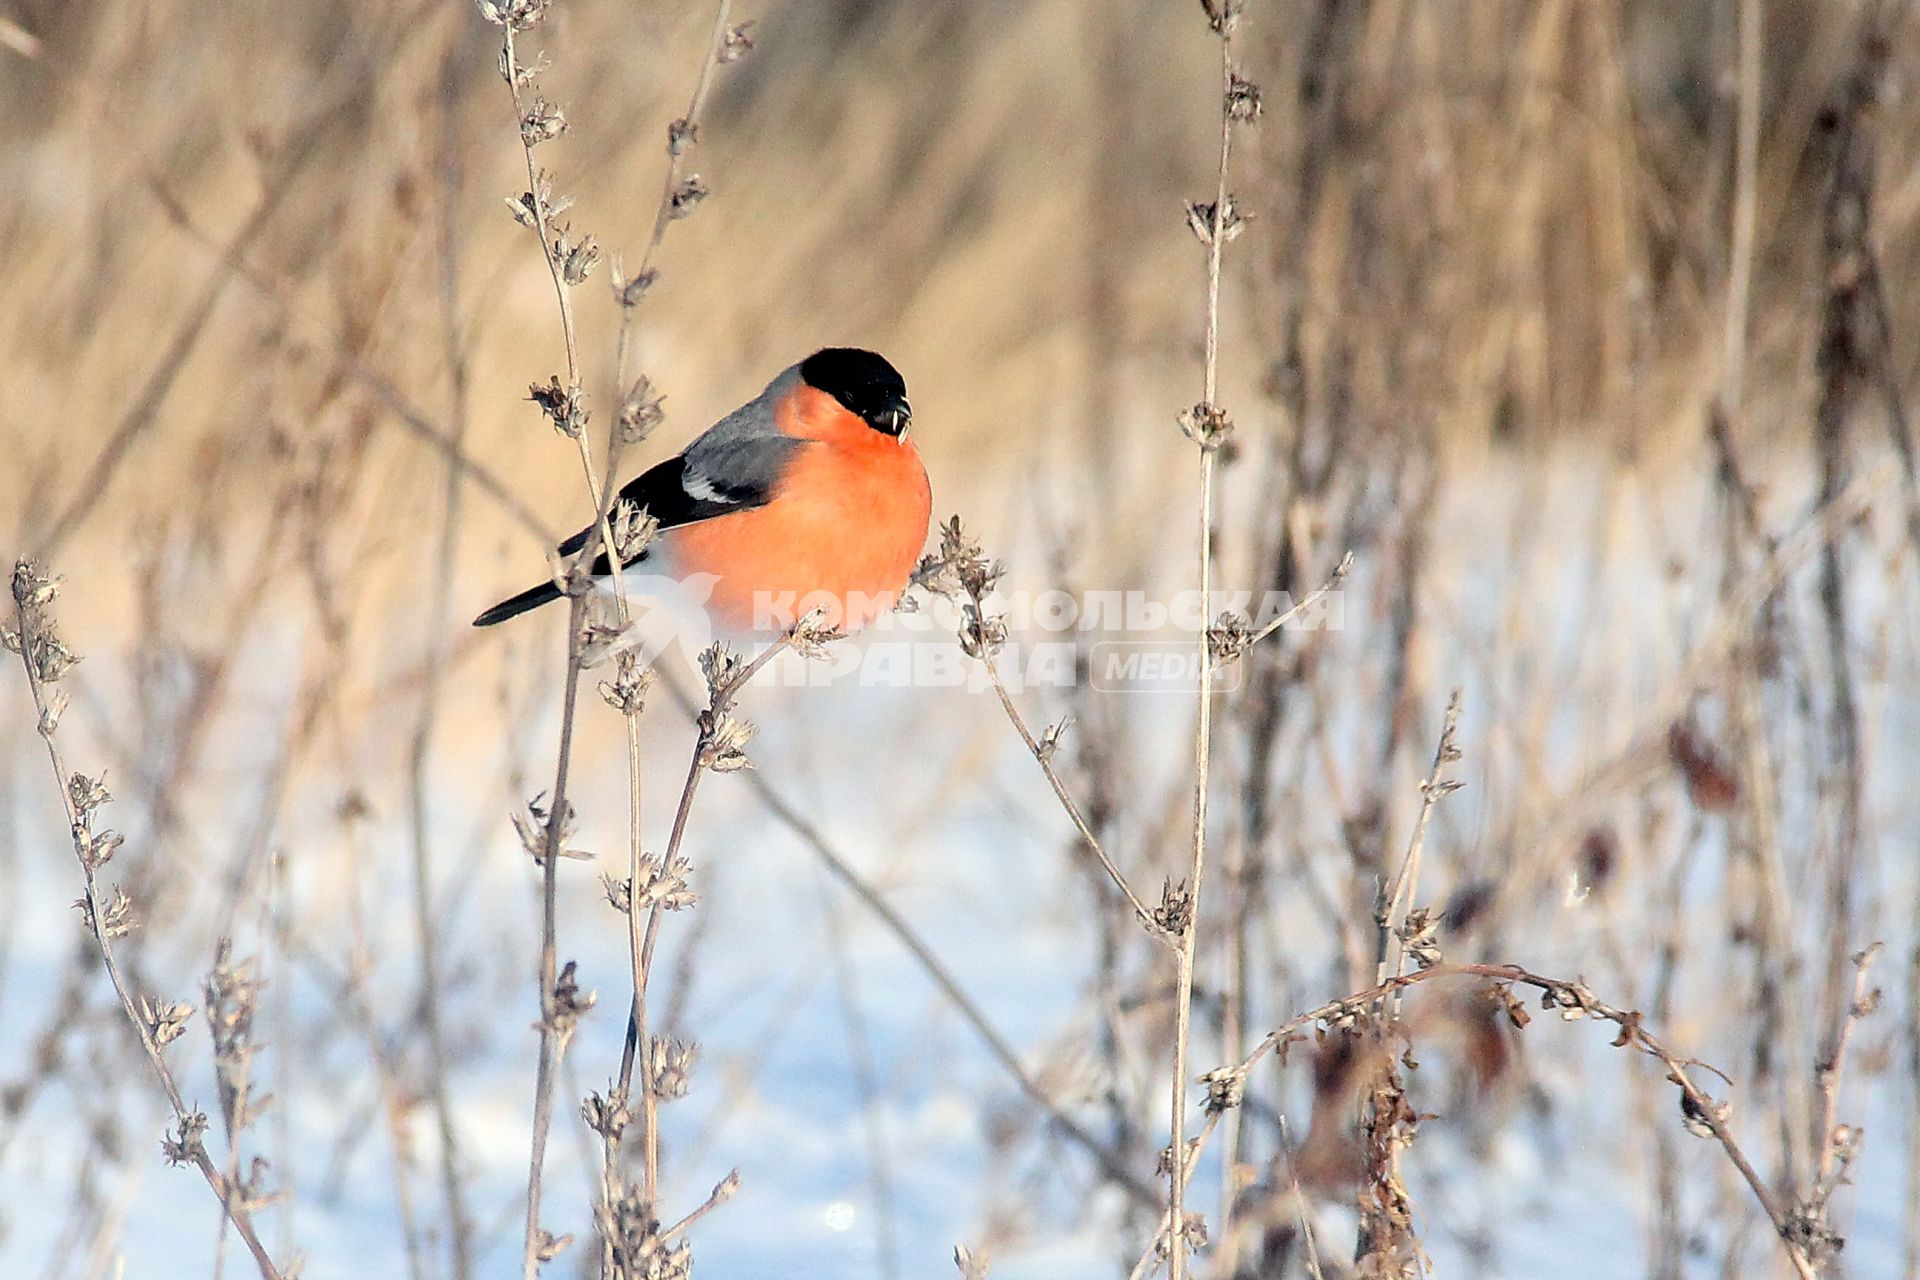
(976, 867)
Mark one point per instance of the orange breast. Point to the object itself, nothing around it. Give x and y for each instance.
(844, 529)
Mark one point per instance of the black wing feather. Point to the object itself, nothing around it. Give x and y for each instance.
(752, 467)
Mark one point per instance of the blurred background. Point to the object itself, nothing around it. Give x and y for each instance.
(1583, 326)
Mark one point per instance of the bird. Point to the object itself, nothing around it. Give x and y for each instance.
(811, 494)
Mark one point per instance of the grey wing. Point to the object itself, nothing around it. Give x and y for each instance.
(736, 465)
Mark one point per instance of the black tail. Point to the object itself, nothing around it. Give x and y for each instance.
(514, 606)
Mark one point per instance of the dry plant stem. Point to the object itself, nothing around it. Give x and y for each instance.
(1178, 1159)
(550, 1046)
(223, 1188)
(543, 228)
(282, 293)
(1111, 1163)
(676, 165)
(377, 46)
(1569, 996)
(1307, 601)
(549, 890)
(640, 942)
(1162, 1238)
(1045, 760)
(1830, 1072)
(638, 1032)
(1398, 899)
(1301, 1206)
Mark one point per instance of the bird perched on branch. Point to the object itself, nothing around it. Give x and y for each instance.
(810, 494)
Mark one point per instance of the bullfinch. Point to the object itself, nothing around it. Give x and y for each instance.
(809, 494)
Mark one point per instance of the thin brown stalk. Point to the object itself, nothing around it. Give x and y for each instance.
(1833, 1068)
(1573, 1001)
(1043, 756)
(550, 1045)
(543, 228)
(282, 292)
(1112, 1164)
(722, 691)
(1208, 427)
(1397, 899)
(1307, 601)
(27, 583)
(683, 136)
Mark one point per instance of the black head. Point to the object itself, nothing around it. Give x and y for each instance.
(864, 383)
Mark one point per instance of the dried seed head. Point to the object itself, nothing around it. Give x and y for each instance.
(627, 691)
(542, 122)
(1420, 934)
(183, 1145)
(33, 589)
(49, 655)
(687, 196)
(565, 407)
(531, 825)
(601, 628)
(721, 665)
(981, 635)
(1229, 636)
(607, 1116)
(1207, 425)
(619, 892)
(723, 742)
(50, 714)
(96, 849)
(531, 208)
(87, 794)
(166, 1021)
(1226, 1088)
(1510, 1004)
(1201, 216)
(666, 886)
(640, 411)
(633, 530)
(1242, 103)
(115, 920)
(737, 44)
(1175, 912)
(232, 991)
(1574, 1000)
(518, 14)
(1222, 15)
(568, 1004)
(670, 1067)
(811, 636)
(577, 261)
(682, 134)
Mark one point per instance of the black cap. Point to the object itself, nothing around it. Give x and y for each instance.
(864, 383)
